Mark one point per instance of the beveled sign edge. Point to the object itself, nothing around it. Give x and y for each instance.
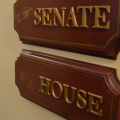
(111, 82)
(111, 48)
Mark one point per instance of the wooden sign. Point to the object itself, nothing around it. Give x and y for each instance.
(72, 89)
(83, 26)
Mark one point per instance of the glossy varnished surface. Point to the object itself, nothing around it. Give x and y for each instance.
(92, 41)
(99, 80)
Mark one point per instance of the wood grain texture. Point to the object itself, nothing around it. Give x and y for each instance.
(97, 42)
(91, 78)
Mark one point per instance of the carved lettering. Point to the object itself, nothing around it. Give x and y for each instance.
(71, 17)
(66, 93)
(79, 94)
(96, 104)
(37, 22)
(57, 14)
(97, 17)
(47, 85)
(45, 15)
(84, 15)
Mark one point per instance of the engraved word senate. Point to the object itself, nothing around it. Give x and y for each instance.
(45, 19)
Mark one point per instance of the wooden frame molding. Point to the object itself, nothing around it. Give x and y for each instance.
(72, 89)
(92, 30)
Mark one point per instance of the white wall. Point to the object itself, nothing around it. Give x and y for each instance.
(12, 105)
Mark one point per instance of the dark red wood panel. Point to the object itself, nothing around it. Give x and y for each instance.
(99, 81)
(92, 41)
